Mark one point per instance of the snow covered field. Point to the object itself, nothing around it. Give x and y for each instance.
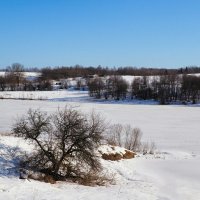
(58, 95)
(171, 174)
(26, 74)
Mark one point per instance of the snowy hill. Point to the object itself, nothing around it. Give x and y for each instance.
(172, 173)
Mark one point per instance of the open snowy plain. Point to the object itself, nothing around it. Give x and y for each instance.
(171, 174)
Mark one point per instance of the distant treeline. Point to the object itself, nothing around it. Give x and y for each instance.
(80, 71)
(14, 80)
(165, 89)
(163, 85)
(55, 73)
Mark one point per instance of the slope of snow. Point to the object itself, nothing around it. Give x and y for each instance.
(147, 177)
(171, 174)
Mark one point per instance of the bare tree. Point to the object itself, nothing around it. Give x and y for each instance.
(15, 74)
(191, 88)
(96, 87)
(117, 87)
(2, 83)
(65, 142)
(135, 87)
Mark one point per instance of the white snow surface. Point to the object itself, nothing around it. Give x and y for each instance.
(26, 74)
(61, 95)
(108, 149)
(130, 79)
(172, 173)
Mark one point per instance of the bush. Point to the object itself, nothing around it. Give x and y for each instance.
(148, 148)
(113, 135)
(129, 138)
(124, 136)
(65, 142)
(132, 138)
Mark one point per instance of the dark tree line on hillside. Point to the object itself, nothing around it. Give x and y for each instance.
(14, 80)
(165, 89)
(163, 85)
(56, 73)
(80, 71)
(114, 87)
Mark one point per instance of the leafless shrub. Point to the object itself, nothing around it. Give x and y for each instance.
(132, 138)
(65, 142)
(124, 136)
(114, 135)
(145, 148)
(129, 138)
(148, 148)
(152, 148)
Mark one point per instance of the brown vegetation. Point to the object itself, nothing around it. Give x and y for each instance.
(118, 156)
(112, 156)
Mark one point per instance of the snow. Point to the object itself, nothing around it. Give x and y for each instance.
(175, 178)
(170, 127)
(26, 74)
(196, 74)
(172, 173)
(130, 79)
(111, 149)
(62, 95)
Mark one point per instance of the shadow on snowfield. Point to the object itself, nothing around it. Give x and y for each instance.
(9, 160)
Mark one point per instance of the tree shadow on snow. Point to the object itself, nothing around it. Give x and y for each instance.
(9, 160)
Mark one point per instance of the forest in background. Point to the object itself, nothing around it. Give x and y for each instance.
(164, 85)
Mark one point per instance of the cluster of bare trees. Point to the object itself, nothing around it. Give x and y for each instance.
(14, 80)
(125, 136)
(168, 88)
(190, 89)
(129, 138)
(164, 85)
(165, 89)
(56, 73)
(114, 87)
(80, 71)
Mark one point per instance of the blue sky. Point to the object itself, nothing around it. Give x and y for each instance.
(149, 33)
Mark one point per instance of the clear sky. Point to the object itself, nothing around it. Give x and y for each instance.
(149, 33)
